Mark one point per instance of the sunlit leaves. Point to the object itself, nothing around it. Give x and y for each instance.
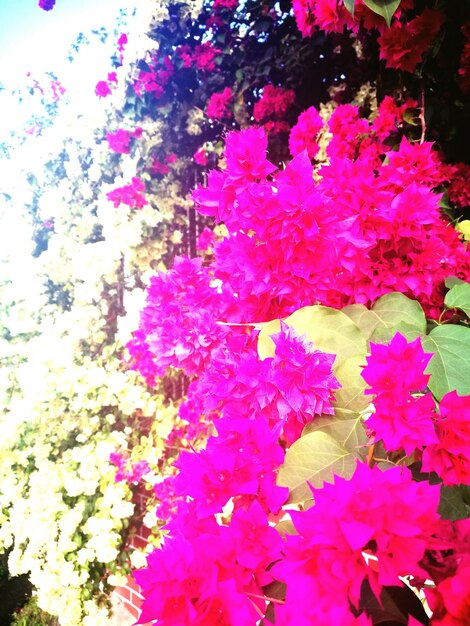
(351, 396)
(450, 365)
(328, 329)
(312, 460)
(392, 313)
(458, 297)
(349, 433)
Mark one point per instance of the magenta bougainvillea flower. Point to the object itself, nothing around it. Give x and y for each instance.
(397, 367)
(132, 194)
(394, 372)
(403, 44)
(46, 5)
(304, 134)
(348, 519)
(234, 464)
(449, 457)
(220, 104)
(275, 103)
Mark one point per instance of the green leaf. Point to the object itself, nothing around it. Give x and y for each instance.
(313, 459)
(265, 343)
(349, 433)
(328, 329)
(450, 365)
(365, 319)
(453, 280)
(397, 313)
(453, 503)
(349, 4)
(351, 395)
(459, 298)
(392, 313)
(385, 8)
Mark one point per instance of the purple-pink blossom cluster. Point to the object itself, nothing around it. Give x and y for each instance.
(406, 416)
(132, 194)
(293, 242)
(402, 45)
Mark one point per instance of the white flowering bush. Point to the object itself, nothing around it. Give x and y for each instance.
(67, 401)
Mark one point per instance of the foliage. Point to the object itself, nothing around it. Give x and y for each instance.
(315, 351)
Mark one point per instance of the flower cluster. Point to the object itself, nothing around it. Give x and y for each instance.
(351, 519)
(179, 324)
(46, 5)
(208, 573)
(271, 110)
(202, 58)
(153, 79)
(219, 105)
(394, 373)
(338, 246)
(449, 456)
(103, 87)
(304, 134)
(131, 194)
(126, 470)
(405, 415)
(120, 140)
(402, 46)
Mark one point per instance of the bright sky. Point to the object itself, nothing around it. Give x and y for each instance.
(38, 41)
(33, 39)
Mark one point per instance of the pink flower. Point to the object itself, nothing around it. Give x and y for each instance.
(196, 579)
(396, 368)
(449, 457)
(403, 422)
(403, 45)
(200, 156)
(304, 17)
(304, 380)
(275, 103)
(332, 17)
(219, 105)
(450, 601)
(119, 141)
(233, 465)
(102, 89)
(46, 5)
(303, 135)
(459, 188)
(225, 4)
(206, 239)
(348, 518)
(121, 42)
(204, 57)
(132, 195)
(246, 155)
(178, 327)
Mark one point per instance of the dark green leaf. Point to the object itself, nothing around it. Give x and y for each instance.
(394, 606)
(452, 504)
